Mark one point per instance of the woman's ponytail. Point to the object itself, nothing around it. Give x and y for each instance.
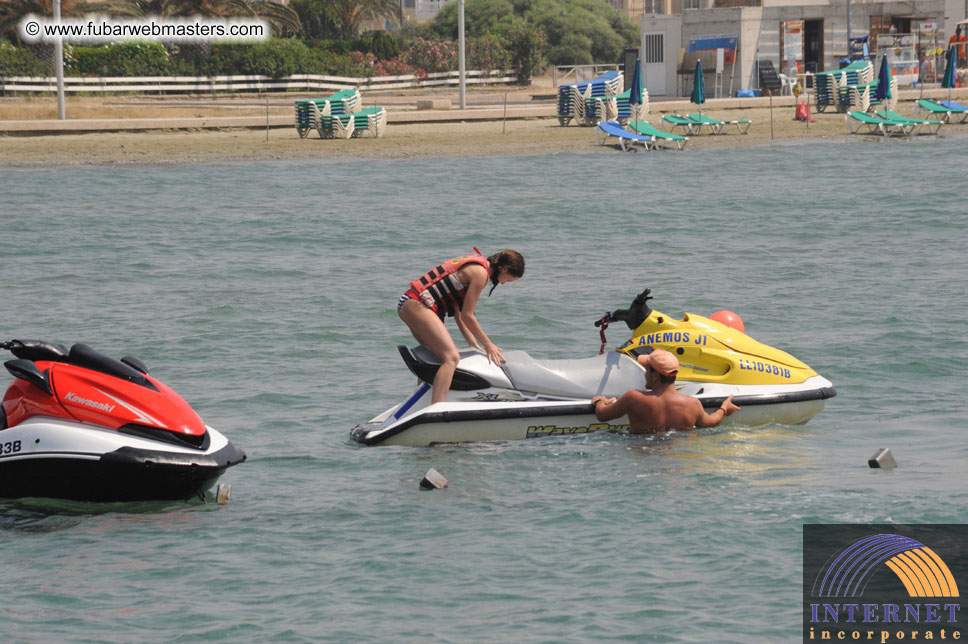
(512, 260)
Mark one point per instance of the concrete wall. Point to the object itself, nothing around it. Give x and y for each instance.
(744, 22)
(954, 11)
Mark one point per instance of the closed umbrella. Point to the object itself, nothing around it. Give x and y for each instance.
(635, 91)
(883, 92)
(948, 80)
(698, 95)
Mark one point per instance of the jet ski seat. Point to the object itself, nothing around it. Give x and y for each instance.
(84, 356)
(38, 350)
(609, 374)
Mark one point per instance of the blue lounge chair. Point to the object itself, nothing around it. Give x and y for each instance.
(943, 109)
(625, 138)
(956, 108)
(954, 105)
(857, 121)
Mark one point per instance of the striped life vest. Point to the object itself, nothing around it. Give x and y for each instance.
(440, 289)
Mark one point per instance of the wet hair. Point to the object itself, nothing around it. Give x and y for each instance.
(509, 259)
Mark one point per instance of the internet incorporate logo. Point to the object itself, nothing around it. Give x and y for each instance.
(885, 586)
(922, 572)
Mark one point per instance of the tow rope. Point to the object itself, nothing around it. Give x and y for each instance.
(603, 323)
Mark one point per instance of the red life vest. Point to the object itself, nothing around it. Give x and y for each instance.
(440, 289)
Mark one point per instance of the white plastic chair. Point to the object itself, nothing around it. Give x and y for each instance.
(786, 84)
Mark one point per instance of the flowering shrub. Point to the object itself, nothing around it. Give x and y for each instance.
(393, 67)
(368, 65)
(487, 53)
(525, 42)
(362, 63)
(430, 56)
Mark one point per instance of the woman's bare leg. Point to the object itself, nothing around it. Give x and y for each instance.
(429, 330)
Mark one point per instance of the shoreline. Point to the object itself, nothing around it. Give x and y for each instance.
(409, 134)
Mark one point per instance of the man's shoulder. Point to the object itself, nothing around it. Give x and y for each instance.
(640, 398)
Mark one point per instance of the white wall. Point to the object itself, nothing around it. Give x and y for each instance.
(954, 11)
(671, 27)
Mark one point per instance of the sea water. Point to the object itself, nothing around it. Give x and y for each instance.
(265, 294)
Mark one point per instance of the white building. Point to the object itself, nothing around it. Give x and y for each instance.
(809, 35)
(421, 10)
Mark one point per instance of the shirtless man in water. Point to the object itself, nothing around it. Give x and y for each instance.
(663, 407)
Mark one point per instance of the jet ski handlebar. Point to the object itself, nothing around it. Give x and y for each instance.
(633, 316)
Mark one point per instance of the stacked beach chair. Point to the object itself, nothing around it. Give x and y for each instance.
(849, 88)
(890, 103)
(339, 116)
(624, 109)
(309, 112)
(591, 101)
(370, 119)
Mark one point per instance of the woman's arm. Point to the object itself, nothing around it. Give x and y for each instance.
(464, 331)
(475, 276)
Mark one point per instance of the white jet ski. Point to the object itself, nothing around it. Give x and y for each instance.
(529, 398)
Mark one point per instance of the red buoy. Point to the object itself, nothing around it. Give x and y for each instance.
(730, 319)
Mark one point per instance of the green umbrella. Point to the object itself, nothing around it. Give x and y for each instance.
(698, 95)
(635, 91)
(883, 92)
(948, 80)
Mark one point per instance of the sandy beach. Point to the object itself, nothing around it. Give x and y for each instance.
(409, 133)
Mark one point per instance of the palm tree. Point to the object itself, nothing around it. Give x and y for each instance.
(11, 11)
(350, 14)
(283, 20)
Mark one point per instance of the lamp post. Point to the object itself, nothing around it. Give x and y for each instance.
(59, 64)
(848, 30)
(460, 55)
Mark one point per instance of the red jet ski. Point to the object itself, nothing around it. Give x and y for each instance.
(77, 424)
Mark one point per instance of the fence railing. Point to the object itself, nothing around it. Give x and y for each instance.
(578, 73)
(202, 84)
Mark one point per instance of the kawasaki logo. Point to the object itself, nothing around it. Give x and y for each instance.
(74, 398)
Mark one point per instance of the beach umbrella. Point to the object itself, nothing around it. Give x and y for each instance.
(948, 80)
(698, 95)
(635, 91)
(883, 91)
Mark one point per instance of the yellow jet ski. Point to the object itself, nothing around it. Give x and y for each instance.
(530, 398)
(717, 359)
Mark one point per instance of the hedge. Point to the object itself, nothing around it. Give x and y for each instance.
(18, 61)
(276, 58)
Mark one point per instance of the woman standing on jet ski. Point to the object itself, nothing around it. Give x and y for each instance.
(453, 288)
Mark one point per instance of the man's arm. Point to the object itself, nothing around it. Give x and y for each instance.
(610, 408)
(713, 419)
